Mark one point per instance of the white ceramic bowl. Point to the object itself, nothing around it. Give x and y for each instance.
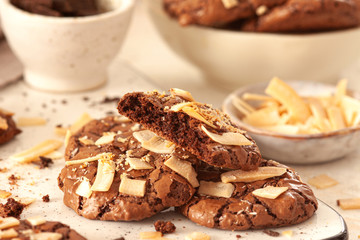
(66, 53)
(232, 59)
(299, 149)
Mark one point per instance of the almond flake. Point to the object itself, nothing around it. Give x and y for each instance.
(84, 119)
(269, 192)
(35, 152)
(184, 168)
(86, 141)
(228, 138)
(46, 236)
(10, 233)
(3, 124)
(150, 235)
(287, 233)
(216, 189)
(122, 119)
(25, 200)
(138, 164)
(144, 136)
(36, 220)
(261, 173)
(61, 131)
(84, 188)
(67, 137)
(261, 10)
(229, 3)
(182, 93)
(196, 114)
(104, 176)
(132, 187)
(9, 222)
(105, 156)
(54, 155)
(106, 139)
(197, 236)
(159, 145)
(30, 121)
(322, 181)
(349, 203)
(4, 194)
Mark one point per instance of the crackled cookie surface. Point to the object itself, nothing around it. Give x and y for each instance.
(271, 196)
(116, 170)
(8, 129)
(200, 129)
(36, 228)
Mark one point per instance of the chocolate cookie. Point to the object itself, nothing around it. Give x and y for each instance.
(36, 228)
(8, 128)
(200, 129)
(116, 170)
(214, 13)
(307, 16)
(240, 200)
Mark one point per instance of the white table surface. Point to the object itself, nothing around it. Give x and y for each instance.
(152, 57)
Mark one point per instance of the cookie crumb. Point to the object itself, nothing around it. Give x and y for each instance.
(45, 162)
(120, 238)
(11, 208)
(271, 233)
(13, 179)
(238, 236)
(46, 198)
(110, 100)
(164, 227)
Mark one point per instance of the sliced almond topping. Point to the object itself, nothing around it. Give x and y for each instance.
(158, 145)
(106, 139)
(269, 192)
(197, 236)
(150, 235)
(261, 10)
(10, 233)
(46, 236)
(9, 222)
(4, 194)
(228, 138)
(184, 168)
(104, 176)
(144, 136)
(349, 203)
(132, 186)
(25, 200)
(182, 93)
(61, 131)
(261, 173)
(33, 153)
(138, 164)
(36, 220)
(105, 156)
(3, 124)
(195, 114)
(322, 181)
(216, 189)
(84, 188)
(84, 119)
(67, 137)
(178, 107)
(229, 3)
(30, 121)
(122, 119)
(86, 141)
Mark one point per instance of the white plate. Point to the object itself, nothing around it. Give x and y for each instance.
(35, 183)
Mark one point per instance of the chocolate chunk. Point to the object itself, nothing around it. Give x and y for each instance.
(271, 233)
(46, 198)
(13, 179)
(12, 208)
(45, 162)
(164, 227)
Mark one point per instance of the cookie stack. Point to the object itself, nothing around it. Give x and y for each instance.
(171, 151)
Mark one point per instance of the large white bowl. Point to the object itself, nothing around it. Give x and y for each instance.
(234, 58)
(66, 54)
(299, 149)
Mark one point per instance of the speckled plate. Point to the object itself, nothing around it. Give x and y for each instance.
(298, 149)
(65, 109)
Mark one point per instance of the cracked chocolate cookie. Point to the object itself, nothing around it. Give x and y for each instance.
(36, 228)
(271, 196)
(198, 128)
(8, 129)
(116, 170)
(214, 13)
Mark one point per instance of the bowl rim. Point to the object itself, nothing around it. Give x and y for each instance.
(195, 27)
(125, 6)
(264, 132)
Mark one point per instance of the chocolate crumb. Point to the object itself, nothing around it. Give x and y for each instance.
(43, 105)
(45, 162)
(64, 101)
(11, 208)
(109, 113)
(164, 227)
(271, 233)
(13, 179)
(59, 125)
(86, 98)
(110, 100)
(120, 238)
(46, 198)
(238, 236)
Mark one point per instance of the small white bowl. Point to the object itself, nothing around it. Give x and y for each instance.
(299, 149)
(66, 54)
(231, 59)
